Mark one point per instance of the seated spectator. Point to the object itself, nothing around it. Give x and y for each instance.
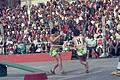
(20, 48)
(32, 48)
(43, 48)
(48, 47)
(10, 49)
(38, 47)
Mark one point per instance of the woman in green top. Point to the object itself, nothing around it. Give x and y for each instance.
(80, 47)
(54, 52)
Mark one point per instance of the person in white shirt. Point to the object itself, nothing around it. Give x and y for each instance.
(91, 46)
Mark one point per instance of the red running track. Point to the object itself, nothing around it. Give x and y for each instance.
(34, 57)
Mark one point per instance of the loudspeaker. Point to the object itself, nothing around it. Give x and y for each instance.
(3, 70)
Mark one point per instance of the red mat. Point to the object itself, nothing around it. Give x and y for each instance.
(36, 76)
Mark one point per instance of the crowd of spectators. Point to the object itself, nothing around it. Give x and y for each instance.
(81, 16)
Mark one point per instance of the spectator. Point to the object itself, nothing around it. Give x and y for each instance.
(20, 48)
(32, 48)
(91, 45)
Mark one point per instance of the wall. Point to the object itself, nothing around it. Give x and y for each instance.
(34, 57)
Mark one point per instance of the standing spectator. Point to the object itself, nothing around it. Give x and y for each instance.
(100, 44)
(91, 46)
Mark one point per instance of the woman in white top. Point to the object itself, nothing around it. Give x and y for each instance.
(80, 46)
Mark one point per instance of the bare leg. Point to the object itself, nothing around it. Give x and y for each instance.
(86, 66)
(55, 67)
(94, 53)
(60, 64)
(85, 63)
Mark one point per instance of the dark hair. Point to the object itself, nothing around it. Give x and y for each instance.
(76, 32)
(100, 36)
(54, 30)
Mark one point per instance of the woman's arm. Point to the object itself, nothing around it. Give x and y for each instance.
(53, 40)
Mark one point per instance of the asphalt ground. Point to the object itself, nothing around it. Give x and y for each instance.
(100, 69)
